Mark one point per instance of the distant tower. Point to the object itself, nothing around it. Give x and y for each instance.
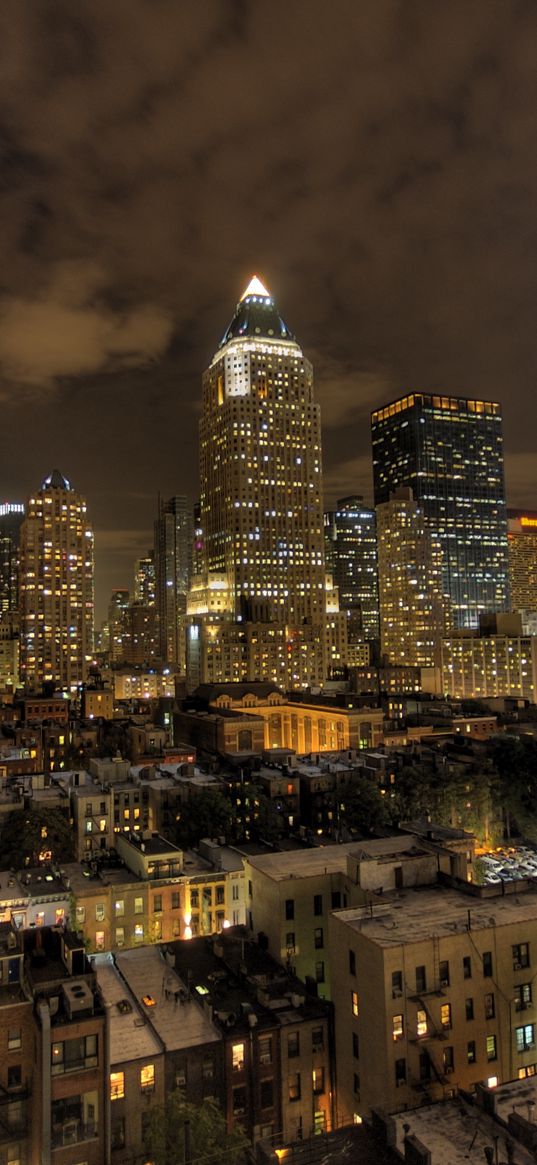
(413, 610)
(144, 580)
(261, 501)
(11, 519)
(449, 450)
(351, 555)
(173, 562)
(56, 587)
(522, 541)
(117, 624)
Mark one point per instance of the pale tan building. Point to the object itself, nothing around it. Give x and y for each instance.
(292, 894)
(56, 586)
(413, 609)
(224, 651)
(475, 666)
(434, 992)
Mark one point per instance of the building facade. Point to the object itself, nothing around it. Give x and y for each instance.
(502, 664)
(56, 586)
(173, 561)
(435, 994)
(522, 545)
(413, 611)
(449, 450)
(351, 555)
(11, 519)
(261, 498)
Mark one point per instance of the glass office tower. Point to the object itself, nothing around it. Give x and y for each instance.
(351, 556)
(449, 450)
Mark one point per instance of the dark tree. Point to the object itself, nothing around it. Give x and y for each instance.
(205, 814)
(206, 1134)
(361, 806)
(31, 836)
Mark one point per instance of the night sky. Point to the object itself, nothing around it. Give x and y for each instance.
(374, 161)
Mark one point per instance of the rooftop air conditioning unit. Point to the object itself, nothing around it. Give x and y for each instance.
(78, 998)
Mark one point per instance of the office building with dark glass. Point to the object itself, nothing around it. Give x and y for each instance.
(351, 556)
(449, 450)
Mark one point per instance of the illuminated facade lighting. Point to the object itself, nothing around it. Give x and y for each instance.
(56, 587)
(414, 614)
(260, 509)
(522, 546)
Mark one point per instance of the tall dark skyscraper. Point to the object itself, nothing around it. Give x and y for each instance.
(351, 556)
(11, 519)
(449, 450)
(173, 563)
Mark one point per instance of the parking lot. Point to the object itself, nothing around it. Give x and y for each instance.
(506, 863)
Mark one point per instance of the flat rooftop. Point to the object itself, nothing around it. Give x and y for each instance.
(407, 916)
(330, 859)
(178, 1024)
(456, 1132)
(131, 1037)
(153, 846)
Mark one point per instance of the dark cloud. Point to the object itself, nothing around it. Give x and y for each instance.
(375, 163)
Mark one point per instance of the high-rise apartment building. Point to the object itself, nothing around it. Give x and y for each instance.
(11, 519)
(173, 562)
(56, 586)
(449, 451)
(117, 624)
(261, 502)
(413, 610)
(144, 580)
(351, 555)
(522, 545)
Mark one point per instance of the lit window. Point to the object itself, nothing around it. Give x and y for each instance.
(293, 1083)
(354, 998)
(147, 1078)
(525, 1037)
(117, 1085)
(397, 1027)
(421, 1022)
(237, 1054)
(445, 1015)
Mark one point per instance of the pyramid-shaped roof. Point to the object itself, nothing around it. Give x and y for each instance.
(56, 480)
(256, 316)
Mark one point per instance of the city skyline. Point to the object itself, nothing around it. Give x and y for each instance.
(377, 171)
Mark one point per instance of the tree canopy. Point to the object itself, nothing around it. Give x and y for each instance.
(29, 837)
(210, 1142)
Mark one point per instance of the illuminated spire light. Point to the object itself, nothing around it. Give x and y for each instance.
(255, 287)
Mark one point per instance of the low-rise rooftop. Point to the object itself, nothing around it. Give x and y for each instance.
(131, 1037)
(414, 915)
(329, 859)
(456, 1132)
(163, 998)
